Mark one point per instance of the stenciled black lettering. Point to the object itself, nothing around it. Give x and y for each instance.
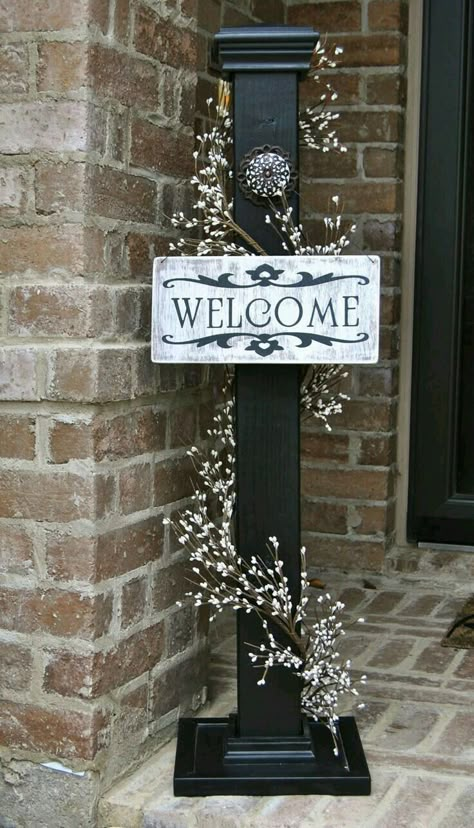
(231, 323)
(188, 315)
(212, 310)
(267, 310)
(347, 310)
(322, 314)
(278, 306)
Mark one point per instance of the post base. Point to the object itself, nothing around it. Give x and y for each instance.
(211, 760)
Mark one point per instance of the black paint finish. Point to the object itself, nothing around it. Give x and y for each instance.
(267, 418)
(212, 761)
(441, 494)
(268, 748)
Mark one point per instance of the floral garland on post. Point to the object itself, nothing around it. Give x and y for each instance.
(222, 578)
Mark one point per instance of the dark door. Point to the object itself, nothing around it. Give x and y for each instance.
(441, 493)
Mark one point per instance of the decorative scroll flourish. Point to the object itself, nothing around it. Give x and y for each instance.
(265, 344)
(265, 276)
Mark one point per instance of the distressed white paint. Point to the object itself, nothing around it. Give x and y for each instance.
(266, 317)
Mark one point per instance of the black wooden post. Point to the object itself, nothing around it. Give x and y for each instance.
(269, 748)
(267, 396)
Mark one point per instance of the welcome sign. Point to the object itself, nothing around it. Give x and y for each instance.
(242, 309)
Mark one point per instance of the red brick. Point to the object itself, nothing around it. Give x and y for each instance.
(364, 484)
(59, 187)
(388, 14)
(18, 374)
(390, 266)
(378, 382)
(160, 39)
(209, 15)
(45, 125)
(141, 250)
(59, 311)
(17, 437)
(14, 68)
(129, 548)
(105, 494)
(62, 67)
(177, 685)
(16, 664)
(173, 480)
(45, 496)
(71, 375)
(154, 148)
(234, 17)
(102, 375)
(128, 435)
(16, 550)
(14, 191)
(133, 602)
(114, 374)
(169, 586)
(71, 675)
(42, 15)
(329, 164)
(465, 669)
(327, 17)
(363, 415)
(434, 659)
(269, 11)
(64, 733)
(386, 90)
(360, 197)
(133, 313)
(40, 249)
(129, 80)
(392, 653)
(324, 446)
(131, 658)
(344, 553)
(369, 520)
(135, 488)
(180, 631)
(347, 87)
(183, 427)
(384, 602)
(122, 20)
(389, 342)
(366, 127)
(69, 439)
(369, 50)
(382, 163)
(119, 195)
(324, 517)
(58, 612)
(69, 557)
(377, 450)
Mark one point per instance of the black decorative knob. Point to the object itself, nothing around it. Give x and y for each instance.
(266, 172)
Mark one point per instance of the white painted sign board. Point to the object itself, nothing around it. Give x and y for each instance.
(275, 309)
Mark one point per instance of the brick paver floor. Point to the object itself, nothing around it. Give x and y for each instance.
(417, 728)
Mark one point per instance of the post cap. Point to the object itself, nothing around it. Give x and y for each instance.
(264, 49)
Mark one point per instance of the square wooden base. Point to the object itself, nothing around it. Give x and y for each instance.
(212, 760)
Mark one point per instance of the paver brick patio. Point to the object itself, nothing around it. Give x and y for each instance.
(417, 728)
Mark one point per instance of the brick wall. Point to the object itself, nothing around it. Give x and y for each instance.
(96, 132)
(97, 107)
(348, 475)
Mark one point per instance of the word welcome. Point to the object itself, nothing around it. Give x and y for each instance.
(282, 308)
(216, 312)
